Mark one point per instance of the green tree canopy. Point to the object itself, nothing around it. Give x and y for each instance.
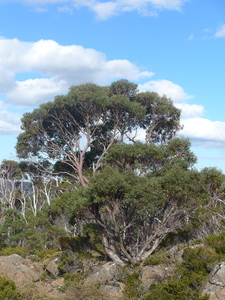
(78, 129)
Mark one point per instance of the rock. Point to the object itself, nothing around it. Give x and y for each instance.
(106, 273)
(49, 289)
(110, 291)
(18, 269)
(155, 274)
(52, 268)
(58, 282)
(215, 285)
(176, 253)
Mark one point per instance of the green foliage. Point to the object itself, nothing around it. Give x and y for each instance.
(134, 289)
(187, 281)
(161, 113)
(103, 116)
(79, 244)
(173, 290)
(37, 233)
(199, 261)
(8, 290)
(124, 87)
(217, 242)
(68, 260)
(215, 179)
(22, 251)
(160, 257)
(46, 252)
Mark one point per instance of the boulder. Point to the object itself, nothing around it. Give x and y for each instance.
(176, 253)
(215, 284)
(108, 272)
(52, 267)
(21, 271)
(112, 291)
(155, 274)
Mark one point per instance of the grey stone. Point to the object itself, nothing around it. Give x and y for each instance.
(215, 284)
(105, 273)
(112, 291)
(52, 268)
(155, 274)
(18, 269)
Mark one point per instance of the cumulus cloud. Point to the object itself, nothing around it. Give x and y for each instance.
(35, 91)
(165, 87)
(9, 121)
(204, 133)
(220, 32)
(106, 9)
(58, 67)
(190, 110)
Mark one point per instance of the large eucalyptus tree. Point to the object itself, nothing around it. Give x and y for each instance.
(76, 130)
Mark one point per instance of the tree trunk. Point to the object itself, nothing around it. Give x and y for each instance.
(111, 252)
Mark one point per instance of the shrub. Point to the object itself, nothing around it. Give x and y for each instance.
(217, 241)
(8, 290)
(13, 250)
(160, 257)
(133, 289)
(173, 290)
(46, 252)
(187, 281)
(68, 262)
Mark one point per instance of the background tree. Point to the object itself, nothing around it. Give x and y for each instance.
(12, 180)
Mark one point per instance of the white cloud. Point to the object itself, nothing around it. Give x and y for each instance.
(165, 87)
(106, 9)
(220, 32)
(204, 133)
(65, 9)
(190, 110)
(9, 121)
(62, 65)
(36, 91)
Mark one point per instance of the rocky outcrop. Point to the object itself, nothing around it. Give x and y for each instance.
(215, 285)
(21, 271)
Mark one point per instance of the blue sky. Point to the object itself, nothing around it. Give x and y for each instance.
(173, 47)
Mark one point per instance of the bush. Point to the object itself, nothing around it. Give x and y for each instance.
(134, 288)
(217, 241)
(8, 290)
(46, 252)
(173, 290)
(160, 257)
(13, 250)
(187, 281)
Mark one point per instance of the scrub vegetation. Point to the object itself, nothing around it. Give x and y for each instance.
(101, 170)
